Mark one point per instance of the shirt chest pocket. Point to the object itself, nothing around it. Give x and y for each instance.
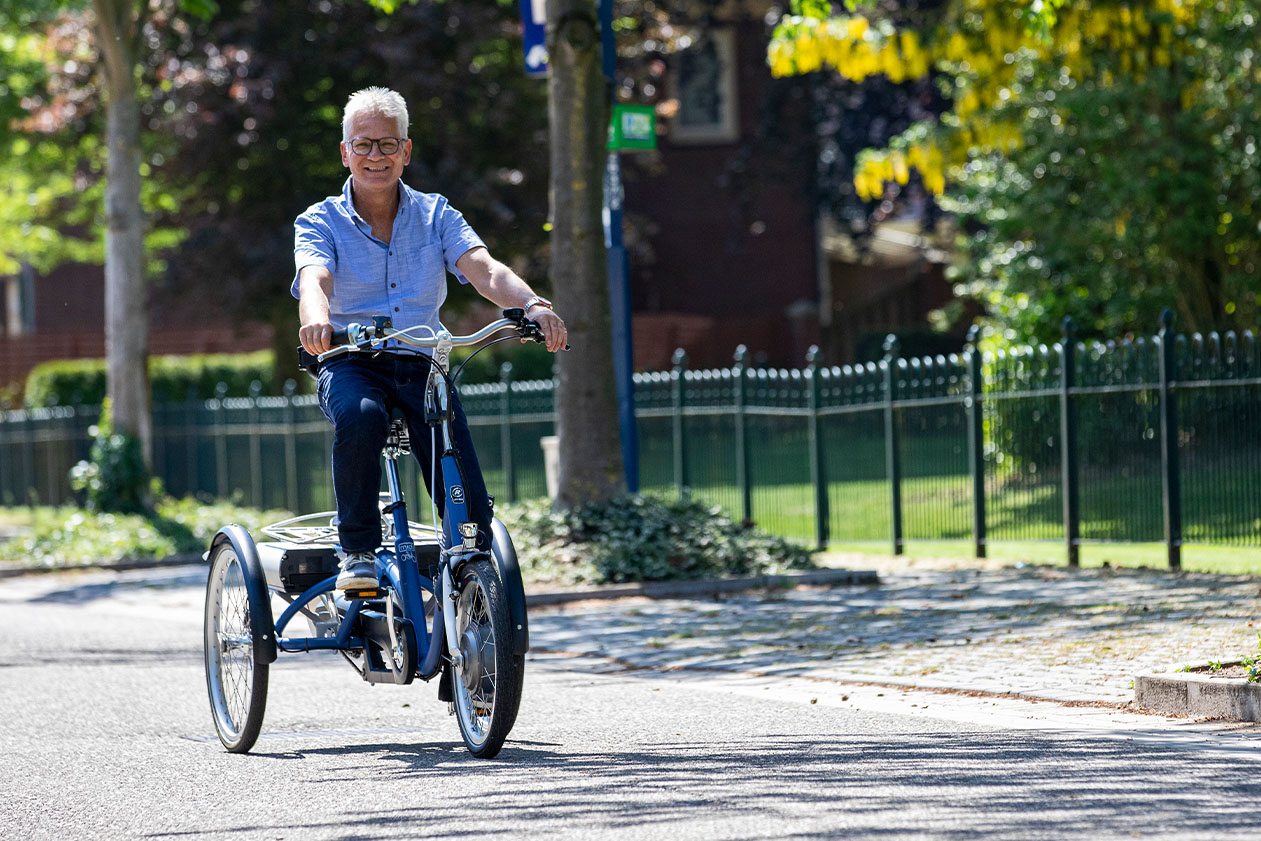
(359, 287)
(421, 277)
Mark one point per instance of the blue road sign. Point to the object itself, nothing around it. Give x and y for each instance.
(534, 32)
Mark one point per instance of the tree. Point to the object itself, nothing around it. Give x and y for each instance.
(1101, 156)
(591, 466)
(118, 26)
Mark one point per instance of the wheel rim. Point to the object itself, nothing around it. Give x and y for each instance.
(476, 682)
(229, 647)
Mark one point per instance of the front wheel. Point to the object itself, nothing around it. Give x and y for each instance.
(488, 685)
(236, 680)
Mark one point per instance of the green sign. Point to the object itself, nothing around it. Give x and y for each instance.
(634, 128)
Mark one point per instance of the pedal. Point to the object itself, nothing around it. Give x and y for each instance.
(374, 593)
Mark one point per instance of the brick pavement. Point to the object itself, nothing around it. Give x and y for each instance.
(1036, 632)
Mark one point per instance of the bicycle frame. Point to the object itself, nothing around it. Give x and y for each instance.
(400, 567)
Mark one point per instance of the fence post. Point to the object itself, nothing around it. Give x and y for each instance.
(680, 442)
(1171, 468)
(741, 374)
(191, 479)
(893, 460)
(291, 449)
(256, 446)
(30, 492)
(818, 461)
(1068, 444)
(976, 438)
(505, 433)
(221, 441)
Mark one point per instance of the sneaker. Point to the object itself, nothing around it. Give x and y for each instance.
(359, 573)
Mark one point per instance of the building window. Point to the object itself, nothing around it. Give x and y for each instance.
(704, 85)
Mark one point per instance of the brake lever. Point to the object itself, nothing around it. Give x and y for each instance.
(530, 330)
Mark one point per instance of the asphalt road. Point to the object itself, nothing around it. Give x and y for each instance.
(107, 735)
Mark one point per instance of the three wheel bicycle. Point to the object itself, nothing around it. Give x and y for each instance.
(444, 607)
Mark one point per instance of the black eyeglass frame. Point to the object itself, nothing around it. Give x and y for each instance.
(375, 142)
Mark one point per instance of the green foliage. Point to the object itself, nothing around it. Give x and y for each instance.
(643, 538)
(1153, 180)
(52, 157)
(115, 479)
(172, 379)
(1253, 663)
(71, 537)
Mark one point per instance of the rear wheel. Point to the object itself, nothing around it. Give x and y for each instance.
(237, 682)
(487, 687)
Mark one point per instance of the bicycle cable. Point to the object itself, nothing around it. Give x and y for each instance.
(481, 348)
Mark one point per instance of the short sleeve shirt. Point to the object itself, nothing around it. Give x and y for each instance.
(404, 279)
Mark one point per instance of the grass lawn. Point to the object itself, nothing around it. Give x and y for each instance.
(1223, 560)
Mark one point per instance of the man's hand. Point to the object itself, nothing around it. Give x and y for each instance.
(552, 326)
(316, 337)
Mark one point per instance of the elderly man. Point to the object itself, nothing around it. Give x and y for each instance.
(383, 248)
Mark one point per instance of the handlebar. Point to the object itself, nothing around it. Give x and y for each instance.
(359, 337)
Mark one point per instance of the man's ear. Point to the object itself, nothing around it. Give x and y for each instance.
(407, 151)
(345, 152)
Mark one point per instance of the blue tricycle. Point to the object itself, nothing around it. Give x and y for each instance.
(443, 609)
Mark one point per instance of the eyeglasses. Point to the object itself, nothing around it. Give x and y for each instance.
(363, 145)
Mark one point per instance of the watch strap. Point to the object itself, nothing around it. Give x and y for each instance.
(537, 301)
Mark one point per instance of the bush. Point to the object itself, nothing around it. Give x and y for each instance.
(115, 479)
(73, 537)
(81, 382)
(643, 538)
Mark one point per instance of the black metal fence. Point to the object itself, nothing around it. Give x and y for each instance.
(1153, 439)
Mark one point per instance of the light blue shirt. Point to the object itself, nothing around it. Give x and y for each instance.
(404, 279)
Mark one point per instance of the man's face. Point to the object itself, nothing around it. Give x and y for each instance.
(375, 170)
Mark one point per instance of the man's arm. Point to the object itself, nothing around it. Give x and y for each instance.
(315, 285)
(501, 286)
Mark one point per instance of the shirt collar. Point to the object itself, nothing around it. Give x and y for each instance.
(405, 198)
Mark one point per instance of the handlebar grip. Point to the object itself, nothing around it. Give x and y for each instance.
(340, 337)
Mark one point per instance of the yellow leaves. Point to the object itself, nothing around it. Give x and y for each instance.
(849, 45)
(877, 168)
(779, 57)
(807, 54)
(983, 47)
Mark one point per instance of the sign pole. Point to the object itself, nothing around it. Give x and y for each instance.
(619, 273)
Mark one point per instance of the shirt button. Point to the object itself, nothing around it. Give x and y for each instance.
(396, 309)
(393, 285)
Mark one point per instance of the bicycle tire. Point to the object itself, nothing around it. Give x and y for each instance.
(488, 689)
(235, 680)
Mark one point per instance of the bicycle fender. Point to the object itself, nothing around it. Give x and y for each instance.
(505, 556)
(255, 589)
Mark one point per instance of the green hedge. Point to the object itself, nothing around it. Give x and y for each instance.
(81, 382)
(529, 362)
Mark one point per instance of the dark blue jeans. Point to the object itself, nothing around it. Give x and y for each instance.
(357, 394)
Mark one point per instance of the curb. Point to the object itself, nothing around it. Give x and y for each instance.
(707, 588)
(1199, 696)
(15, 571)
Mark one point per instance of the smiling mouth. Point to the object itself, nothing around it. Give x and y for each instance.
(377, 168)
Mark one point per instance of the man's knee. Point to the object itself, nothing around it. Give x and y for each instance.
(362, 421)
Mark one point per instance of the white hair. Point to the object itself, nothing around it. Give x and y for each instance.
(380, 101)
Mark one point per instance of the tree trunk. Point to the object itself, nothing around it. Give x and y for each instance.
(586, 398)
(126, 324)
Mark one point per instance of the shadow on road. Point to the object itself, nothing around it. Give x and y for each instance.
(954, 785)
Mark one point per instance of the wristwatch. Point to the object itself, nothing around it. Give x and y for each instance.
(536, 301)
